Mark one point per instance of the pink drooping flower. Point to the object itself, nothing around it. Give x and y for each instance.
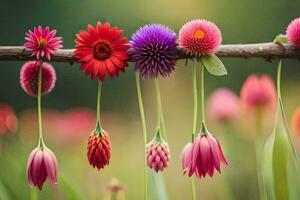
(29, 75)
(203, 156)
(223, 105)
(293, 32)
(296, 122)
(199, 37)
(41, 164)
(42, 42)
(8, 119)
(258, 92)
(158, 155)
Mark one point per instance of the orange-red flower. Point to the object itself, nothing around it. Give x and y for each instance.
(102, 51)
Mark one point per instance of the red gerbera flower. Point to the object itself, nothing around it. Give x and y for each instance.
(101, 51)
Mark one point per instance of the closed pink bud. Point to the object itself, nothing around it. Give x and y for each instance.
(29, 75)
(223, 106)
(203, 156)
(41, 164)
(296, 122)
(258, 92)
(158, 155)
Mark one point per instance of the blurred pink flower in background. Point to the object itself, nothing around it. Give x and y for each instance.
(223, 105)
(8, 119)
(293, 32)
(258, 92)
(62, 128)
(296, 122)
(42, 163)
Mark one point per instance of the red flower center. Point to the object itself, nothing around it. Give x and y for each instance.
(102, 50)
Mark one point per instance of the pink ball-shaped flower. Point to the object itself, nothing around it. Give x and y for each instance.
(158, 155)
(8, 119)
(41, 164)
(29, 75)
(223, 105)
(203, 156)
(199, 37)
(42, 42)
(258, 92)
(293, 32)
(296, 122)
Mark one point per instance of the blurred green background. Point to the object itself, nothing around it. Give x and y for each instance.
(240, 21)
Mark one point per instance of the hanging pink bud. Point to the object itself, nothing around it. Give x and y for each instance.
(296, 122)
(29, 78)
(99, 149)
(223, 105)
(41, 164)
(258, 92)
(293, 32)
(203, 156)
(158, 154)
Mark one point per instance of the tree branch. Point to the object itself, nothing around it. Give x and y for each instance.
(267, 51)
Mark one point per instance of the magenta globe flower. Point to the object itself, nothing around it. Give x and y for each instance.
(223, 106)
(42, 42)
(29, 78)
(41, 164)
(199, 37)
(293, 32)
(203, 156)
(158, 155)
(153, 50)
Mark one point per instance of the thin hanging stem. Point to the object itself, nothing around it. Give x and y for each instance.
(142, 113)
(195, 93)
(202, 88)
(295, 155)
(99, 102)
(39, 104)
(160, 115)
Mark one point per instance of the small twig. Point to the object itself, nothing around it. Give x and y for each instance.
(268, 51)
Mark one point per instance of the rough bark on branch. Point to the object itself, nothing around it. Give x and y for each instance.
(267, 51)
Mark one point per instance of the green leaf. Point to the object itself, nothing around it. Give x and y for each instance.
(214, 65)
(3, 193)
(157, 188)
(267, 167)
(280, 39)
(280, 159)
(70, 189)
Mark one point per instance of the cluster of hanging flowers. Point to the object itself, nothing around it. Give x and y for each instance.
(103, 51)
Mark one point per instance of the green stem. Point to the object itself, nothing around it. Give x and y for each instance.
(195, 100)
(142, 113)
(39, 104)
(33, 194)
(286, 125)
(193, 188)
(160, 115)
(203, 129)
(99, 103)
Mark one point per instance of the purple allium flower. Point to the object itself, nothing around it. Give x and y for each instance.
(154, 50)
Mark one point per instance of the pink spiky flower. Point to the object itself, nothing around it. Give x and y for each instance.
(223, 105)
(158, 153)
(41, 164)
(293, 32)
(29, 78)
(199, 37)
(42, 42)
(203, 156)
(258, 92)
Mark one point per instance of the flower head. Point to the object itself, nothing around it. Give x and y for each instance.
(42, 42)
(154, 50)
(99, 150)
(296, 122)
(158, 154)
(101, 51)
(8, 119)
(258, 92)
(293, 32)
(203, 156)
(223, 105)
(41, 164)
(199, 37)
(29, 78)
